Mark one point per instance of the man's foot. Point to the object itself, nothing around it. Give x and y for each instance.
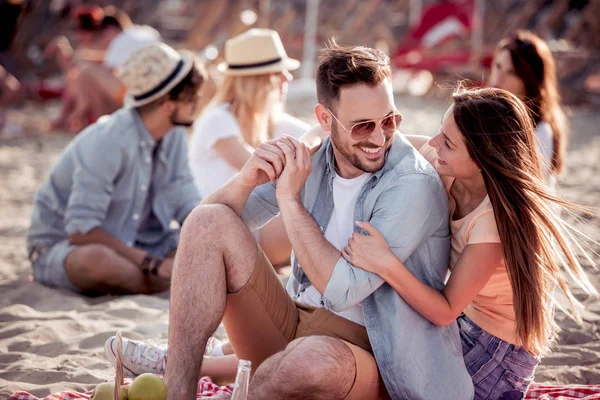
(138, 357)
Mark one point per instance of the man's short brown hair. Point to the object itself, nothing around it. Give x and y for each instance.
(341, 66)
(189, 86)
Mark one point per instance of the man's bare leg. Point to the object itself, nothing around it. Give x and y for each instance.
(274, 242)
(216, 255)
(319, 366)
(95, 267)
(221, 369)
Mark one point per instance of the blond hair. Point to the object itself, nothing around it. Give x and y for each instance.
(252, 103)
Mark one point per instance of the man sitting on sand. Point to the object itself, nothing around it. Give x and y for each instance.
(102, 219)
(339, 331)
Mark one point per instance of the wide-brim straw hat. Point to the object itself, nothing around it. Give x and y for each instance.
(151, 72)
(256, 52)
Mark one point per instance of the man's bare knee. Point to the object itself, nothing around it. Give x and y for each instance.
(95, 261)
(321, 365)
(221, 229)
(213, 223)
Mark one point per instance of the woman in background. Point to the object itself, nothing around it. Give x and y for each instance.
(246, 110)
(523, 64)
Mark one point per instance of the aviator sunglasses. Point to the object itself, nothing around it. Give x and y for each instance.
(363, 129)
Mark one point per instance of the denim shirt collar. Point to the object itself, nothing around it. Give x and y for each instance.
(147, 141)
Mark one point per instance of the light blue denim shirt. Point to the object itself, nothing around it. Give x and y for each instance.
(102, 179)
(407, 202)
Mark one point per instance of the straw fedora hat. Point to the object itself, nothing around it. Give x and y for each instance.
(256, 52)
(153, 71)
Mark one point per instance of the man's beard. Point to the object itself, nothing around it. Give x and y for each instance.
(175, 122)
(351, 153)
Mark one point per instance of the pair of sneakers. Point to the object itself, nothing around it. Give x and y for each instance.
(141, 357)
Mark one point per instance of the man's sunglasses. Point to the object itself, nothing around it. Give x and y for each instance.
(363, 129)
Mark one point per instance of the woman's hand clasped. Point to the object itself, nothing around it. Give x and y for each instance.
(369, 252)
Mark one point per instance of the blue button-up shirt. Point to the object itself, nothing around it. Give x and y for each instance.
(407, 203)
(103, 178)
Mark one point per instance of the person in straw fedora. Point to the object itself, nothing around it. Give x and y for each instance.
(246, 110)
(101, 220)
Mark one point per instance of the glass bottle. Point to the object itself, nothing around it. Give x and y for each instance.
(242, 381)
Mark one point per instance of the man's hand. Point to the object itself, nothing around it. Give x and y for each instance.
(265, 165)
(297, 168)
(166, 268)
(369, 252)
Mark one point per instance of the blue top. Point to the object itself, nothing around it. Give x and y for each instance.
(103, 179)
(408, 204)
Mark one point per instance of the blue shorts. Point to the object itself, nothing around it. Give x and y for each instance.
(49, 265)
(49, 262)
(500, 370)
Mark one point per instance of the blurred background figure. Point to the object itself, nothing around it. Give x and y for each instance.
(246, 110)
(11, 14)
(104, 40)
(10, 89)
(523, 65)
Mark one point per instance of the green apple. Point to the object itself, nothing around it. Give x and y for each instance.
(106, 391)
(148, 387)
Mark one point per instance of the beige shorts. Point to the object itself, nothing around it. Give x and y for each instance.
(261, 320)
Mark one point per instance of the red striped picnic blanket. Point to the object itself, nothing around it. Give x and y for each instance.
(563, 392)
(207, 389)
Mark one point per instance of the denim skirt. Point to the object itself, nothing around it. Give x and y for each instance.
(500, 370)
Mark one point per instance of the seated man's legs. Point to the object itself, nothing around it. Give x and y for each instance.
(92, 268)
(260, 318)
(318, 367)
(217, 255)
(95, 267)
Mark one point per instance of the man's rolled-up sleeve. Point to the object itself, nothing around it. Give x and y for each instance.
(407, 214)
(97, 163)
(261, 207)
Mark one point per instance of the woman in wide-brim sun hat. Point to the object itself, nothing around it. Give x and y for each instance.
(256, 52)
(246, 110)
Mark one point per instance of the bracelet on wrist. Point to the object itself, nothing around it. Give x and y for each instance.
(145, 264)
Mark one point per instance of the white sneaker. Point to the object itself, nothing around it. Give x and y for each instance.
(214, 347)
(138, 357)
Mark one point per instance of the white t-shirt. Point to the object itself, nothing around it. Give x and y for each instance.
(127, 42)
(545, 146)
(338, 232)
(209, 169)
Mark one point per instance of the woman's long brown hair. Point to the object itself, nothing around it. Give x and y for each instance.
(540, 250)
(534, 65)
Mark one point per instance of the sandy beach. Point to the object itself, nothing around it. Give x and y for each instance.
(52, 340)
